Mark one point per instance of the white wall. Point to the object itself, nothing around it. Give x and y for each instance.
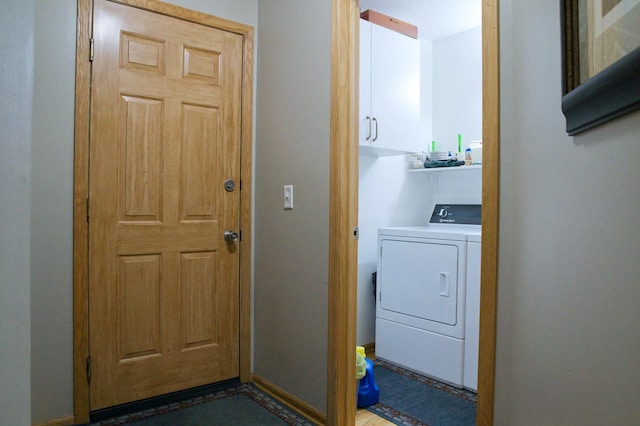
(457, 89)
(568, 320)
(16, 88)
(426, 94)
(292, 148)
(52, 190)
(462, 186)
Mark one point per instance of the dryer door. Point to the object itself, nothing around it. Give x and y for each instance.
(419, 279)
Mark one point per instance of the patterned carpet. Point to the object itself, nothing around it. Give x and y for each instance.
(408, 398)
(239, 405)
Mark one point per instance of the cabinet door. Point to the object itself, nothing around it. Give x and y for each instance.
(366, 129)
(395, 87)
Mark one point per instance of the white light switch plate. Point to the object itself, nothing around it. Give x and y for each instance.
(288, 197)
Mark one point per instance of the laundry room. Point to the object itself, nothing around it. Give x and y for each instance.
(420, 164)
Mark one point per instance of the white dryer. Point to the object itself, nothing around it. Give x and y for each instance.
(421, 291)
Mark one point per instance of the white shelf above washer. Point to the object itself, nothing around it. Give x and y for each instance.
(445, 169)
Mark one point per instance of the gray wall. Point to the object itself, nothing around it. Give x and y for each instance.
(292, 147)
(52, 189)
(568, 319)
(52, 210)
(16, 87)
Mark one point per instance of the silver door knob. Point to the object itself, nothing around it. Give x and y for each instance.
(230, 236)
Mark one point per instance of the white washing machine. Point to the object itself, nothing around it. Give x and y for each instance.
(427, 295)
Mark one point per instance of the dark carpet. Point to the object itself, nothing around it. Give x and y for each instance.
(241, 405)
(408, 398)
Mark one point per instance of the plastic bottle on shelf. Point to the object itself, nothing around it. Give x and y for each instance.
(467, 157)
(459, 154)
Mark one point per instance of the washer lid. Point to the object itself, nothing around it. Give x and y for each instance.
(457, 214)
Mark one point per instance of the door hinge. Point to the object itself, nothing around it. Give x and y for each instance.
(89, 369)
(91, 46)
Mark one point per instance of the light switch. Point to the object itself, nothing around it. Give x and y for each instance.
(288, 197)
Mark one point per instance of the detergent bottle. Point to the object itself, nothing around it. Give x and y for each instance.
(368, 391)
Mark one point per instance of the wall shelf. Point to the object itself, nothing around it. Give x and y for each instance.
(445, 169)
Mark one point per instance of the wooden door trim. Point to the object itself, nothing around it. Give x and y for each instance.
(81, 187)
(490, 209)
(80, 222)
(343, 211)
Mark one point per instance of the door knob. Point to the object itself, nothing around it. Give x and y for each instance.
(230, 236)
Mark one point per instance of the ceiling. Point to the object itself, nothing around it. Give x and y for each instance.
(434, 18)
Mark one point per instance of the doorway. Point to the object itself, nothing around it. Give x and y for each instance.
(220, 260)
(344, 212)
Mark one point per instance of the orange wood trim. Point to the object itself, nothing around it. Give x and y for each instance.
(370, 349)
(290, 401)
(490, 210)
(343, 213)
(390, 23)
(81, 187)
(63, 421)
(188, 15)
(246, 165)
(80, 224)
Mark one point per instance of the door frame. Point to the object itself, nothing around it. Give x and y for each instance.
(343, 211)
(81, 402)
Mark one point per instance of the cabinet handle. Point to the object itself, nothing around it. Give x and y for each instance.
(369, 135)
(375, 120)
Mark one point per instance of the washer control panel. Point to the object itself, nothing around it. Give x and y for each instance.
(457, 214)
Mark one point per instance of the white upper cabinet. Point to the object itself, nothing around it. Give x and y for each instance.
(389, 91)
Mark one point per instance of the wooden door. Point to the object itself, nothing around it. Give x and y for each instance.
(164, 137)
